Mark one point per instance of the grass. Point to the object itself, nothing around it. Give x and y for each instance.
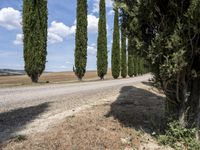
(19, 138)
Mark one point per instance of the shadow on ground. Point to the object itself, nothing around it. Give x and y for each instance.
(139, 109)
(15, 120)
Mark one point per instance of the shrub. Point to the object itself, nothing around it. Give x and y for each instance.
(179, 137)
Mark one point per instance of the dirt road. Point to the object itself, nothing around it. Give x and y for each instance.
(25, 110)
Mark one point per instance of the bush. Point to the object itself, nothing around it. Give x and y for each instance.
(179, 137)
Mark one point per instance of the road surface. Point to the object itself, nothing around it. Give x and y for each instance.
(25, 110)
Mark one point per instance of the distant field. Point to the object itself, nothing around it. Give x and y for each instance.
(50, 77)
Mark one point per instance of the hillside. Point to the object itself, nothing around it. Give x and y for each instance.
(11, 72)
(51, 77)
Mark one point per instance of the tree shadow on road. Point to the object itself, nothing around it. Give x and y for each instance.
(139, 109)
(15, 120)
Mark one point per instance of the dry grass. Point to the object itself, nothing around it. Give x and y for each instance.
(48, 77)
(90, 130)
(125, 124)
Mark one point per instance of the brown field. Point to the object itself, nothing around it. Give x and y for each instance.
(56, 77)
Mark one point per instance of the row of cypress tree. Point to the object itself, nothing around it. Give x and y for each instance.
(168, 35)
(35, 25)
(119, 54)
(136, 64)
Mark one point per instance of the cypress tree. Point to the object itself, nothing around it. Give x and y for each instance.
(81, 39)
(35, 24)
(139, 66)
(123, 54)
(102, 62)
(116, 47)
(131, 60)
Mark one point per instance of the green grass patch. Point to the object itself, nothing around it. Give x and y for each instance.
(179, 137)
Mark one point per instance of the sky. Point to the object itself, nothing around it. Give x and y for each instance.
(61, 34)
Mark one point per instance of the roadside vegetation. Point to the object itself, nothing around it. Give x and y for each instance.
(179, 137)
(166, 34)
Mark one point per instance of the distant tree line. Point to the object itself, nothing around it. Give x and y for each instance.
(35, 24)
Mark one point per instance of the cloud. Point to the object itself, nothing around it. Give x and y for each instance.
(92, 23)
(19, 39)
(109, 4)
(58, 31)
(111, 12)
(10, 18)
(92, 49)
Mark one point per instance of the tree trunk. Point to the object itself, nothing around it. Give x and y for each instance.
(80, 79)
(102, 78)
(35, 78)
(183, 99)
(194, 115)
(198, 121)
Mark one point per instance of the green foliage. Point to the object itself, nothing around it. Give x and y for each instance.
(116, 47)
(81, 39)
(140, 66)
(179, 138)
(35, 24)
(136, 65)
(20, 138)
(123, 54)
(166, 33)
(102, 56)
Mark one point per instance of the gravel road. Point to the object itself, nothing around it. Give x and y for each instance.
(32, 109)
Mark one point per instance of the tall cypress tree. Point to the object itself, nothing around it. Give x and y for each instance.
(102, 62)
(135, 65)
(35, 24)
(131, 60)
(116, 47)
(140, 71)
(123, 54)
(81, 39)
